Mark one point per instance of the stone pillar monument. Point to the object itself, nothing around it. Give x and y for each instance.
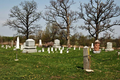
(87, 59)
(40, 43)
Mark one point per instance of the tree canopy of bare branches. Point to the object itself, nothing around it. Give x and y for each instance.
(98, 16)
(24, 17)
(60, 14)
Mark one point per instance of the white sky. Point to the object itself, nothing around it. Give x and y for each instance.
(6, 5)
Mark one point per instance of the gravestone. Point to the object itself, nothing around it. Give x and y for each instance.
(6, 46)
(86, 59)
(74, 47)
(51, 48)
(29, 46)
(17, 43)
(22, 47)
(79, 47)
(97, 47)
(42, 49)
(67, 50)
(48, 49)
(109, 47)
(86, 64)
(56, 43)
(61, 51)
(40, 42)
(92, 46)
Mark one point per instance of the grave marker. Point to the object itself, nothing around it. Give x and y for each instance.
(17, 43)
(109, 47)
(29, 46)
(56, 43)
(86, 59)
(40, 42)
(97, 47)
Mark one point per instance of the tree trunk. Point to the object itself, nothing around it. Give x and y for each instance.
(96, 38)
(68, 38)
(27, 35)
(68, 32)
(97, 33)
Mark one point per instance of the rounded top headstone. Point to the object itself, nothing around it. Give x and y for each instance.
(97, 41)
(29, 40)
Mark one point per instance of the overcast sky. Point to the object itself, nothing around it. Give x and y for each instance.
(6, 5)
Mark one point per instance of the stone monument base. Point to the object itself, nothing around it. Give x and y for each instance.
(96, 52)
(109, 49)
(57, 46)
(29, 50)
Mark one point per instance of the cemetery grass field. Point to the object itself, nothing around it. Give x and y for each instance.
(56, 66)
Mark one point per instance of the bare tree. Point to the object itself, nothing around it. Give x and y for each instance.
(24, 17)
(60, 14)
(97, 16)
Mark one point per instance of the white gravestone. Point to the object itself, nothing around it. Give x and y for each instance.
(55, 49)
(74, 47)
(22, 47)
(51, 48)
(42, 49)
(29, 46)
(92, 46)
(109, 47)
(48, 49)
(17, 43)
(40, 42)
(56, 43)
(79, 48)
(39, 50)
(67, 50)
(61, 51)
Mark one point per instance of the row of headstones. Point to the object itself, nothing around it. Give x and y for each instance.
(29, 46)
(5, 46)
(51, 49)
(96, 47)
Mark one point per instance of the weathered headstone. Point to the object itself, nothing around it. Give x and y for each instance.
(79, 47)
(56, 43)
(6, 46)
(109, 47)
(39, 50)
(74, 47)
(42, 49)
(97, 47)
(40, 42)
(86, 64)
(17, 43)
(55, 49)
(51, 48)
(67, 50)
(61, 51)
(48, 49)
(29, 46)
(92, 46)
(22, 47)
(86, 59)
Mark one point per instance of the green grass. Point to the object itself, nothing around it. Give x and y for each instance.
(56, 66)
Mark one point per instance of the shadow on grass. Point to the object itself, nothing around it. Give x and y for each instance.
(79, 67)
